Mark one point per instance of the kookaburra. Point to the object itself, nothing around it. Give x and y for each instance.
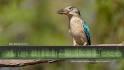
(78, 28)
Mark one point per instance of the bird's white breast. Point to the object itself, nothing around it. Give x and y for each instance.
(76, 25)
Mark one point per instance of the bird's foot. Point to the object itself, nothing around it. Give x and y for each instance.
(85, 44)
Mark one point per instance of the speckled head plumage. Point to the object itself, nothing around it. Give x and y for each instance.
(69, 11)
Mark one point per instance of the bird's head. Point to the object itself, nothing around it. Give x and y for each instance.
(69, 11)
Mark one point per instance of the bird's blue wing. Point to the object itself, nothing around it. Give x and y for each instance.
(87, 32)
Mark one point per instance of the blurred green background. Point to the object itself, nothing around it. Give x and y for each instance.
(36, 22)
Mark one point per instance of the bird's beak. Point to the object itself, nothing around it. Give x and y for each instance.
(62, 11)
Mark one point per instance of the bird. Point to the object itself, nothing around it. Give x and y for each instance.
(78, 27)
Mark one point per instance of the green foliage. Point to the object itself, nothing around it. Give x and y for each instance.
(39, 23)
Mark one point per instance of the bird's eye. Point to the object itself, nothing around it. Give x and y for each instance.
(71, 8)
